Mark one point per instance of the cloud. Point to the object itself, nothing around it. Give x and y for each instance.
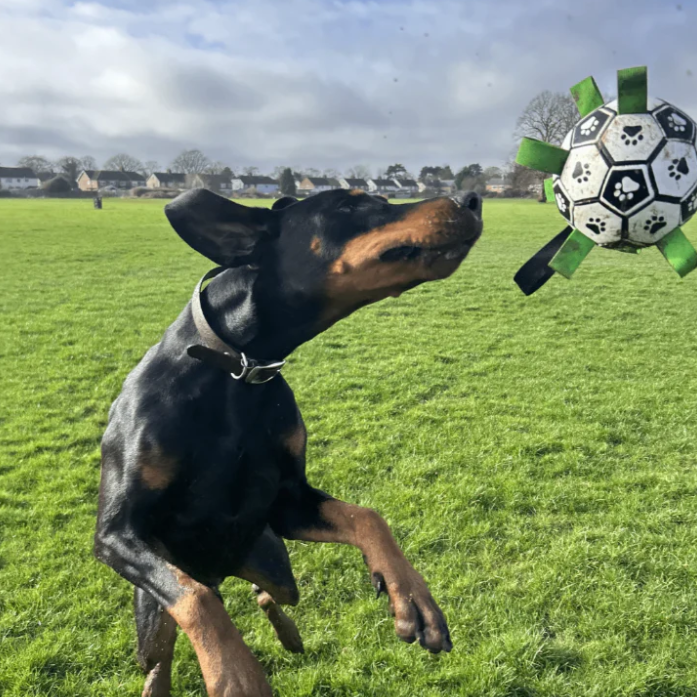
(324, 83)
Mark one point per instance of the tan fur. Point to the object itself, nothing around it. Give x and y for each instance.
(316, 246)
(157, 470)
(228, 666)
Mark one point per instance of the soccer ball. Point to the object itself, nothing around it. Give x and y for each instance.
(630, 179)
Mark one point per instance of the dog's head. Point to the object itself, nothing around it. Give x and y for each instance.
(338, 250)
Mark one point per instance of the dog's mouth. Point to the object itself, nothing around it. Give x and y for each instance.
(426, 255)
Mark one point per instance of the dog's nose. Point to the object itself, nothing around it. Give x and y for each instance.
(470, 200)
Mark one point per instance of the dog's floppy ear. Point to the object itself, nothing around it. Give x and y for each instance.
(214, 226)
(283, 202)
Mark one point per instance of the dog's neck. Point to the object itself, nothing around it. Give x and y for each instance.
(264, 325)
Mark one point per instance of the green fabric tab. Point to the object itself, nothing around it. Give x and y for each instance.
(549, 190)
(587, 96)
(632, 90)
(541, 156)
(678, 251)
(572, 253)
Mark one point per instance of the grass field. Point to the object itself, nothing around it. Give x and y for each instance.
(534, 456)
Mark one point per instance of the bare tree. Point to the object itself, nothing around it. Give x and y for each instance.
(190, 162)
(71, 166)
(251, 171)
(150, 167)
(216, 167)
(36, 163)
(548, 117)
(124, 163)
(278, 171)
(331, 173)
(359, 172)
(88, 162)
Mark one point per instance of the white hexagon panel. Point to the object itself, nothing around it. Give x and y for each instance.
(598, 223)
(584, 173)
(689, 206)
(676, 124)
(590, 128)
(566, 143)
(654, 222)
(632, 137)
(628, 189)
(675, 169)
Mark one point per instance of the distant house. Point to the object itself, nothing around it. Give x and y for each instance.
(213, 182)
(383, 186)
(18, 178)
(93, 180)
(353, 183)
(261, 184)
(315, 185)
(407, 186)
(48, 176)
(497, 185)
(442, 186)
(166, 180)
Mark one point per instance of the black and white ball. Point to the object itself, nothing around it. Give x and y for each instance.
(630, 179)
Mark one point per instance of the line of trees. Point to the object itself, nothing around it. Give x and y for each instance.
(548, 117)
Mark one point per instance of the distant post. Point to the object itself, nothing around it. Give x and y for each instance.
(98, 202)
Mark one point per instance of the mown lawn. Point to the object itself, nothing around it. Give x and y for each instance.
(534, 456)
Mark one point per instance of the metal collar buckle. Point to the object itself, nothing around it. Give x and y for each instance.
(255, 373)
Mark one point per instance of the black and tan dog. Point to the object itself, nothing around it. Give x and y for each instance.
(203, 460)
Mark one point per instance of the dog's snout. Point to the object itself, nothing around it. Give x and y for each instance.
(470, 200)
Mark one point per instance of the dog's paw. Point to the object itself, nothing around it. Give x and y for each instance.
(417, 616)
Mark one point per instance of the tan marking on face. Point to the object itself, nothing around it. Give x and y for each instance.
(157, 470)
(228, 666)
(356, 192)
(316, 245)
(358, 277)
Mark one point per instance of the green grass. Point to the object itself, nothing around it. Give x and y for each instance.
(534, 456)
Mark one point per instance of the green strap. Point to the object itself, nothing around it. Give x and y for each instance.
(632, 91)
(587, 96)
(541, 156)
(572, 253)
(549, 190)
(678, 251)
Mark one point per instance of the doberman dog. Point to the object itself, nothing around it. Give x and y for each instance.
(203, 458)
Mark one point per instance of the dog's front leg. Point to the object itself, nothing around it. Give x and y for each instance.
(229, 668)
(313, 516)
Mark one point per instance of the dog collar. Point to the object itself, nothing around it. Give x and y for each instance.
(216, 352)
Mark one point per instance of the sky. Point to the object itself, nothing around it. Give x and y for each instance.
(317, 83)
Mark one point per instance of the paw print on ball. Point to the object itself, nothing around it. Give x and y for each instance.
(632, 135)
(590, 126)
(581, 172)
(561, 203)
(677, 123)
(678, 168)
(689, 206)
(655, 224)
(625, 189)
(596, 225)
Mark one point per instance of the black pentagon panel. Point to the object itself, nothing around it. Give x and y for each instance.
(591, 128)
(563, 202)
(627, 189)
(688, 207)
(676, 124)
